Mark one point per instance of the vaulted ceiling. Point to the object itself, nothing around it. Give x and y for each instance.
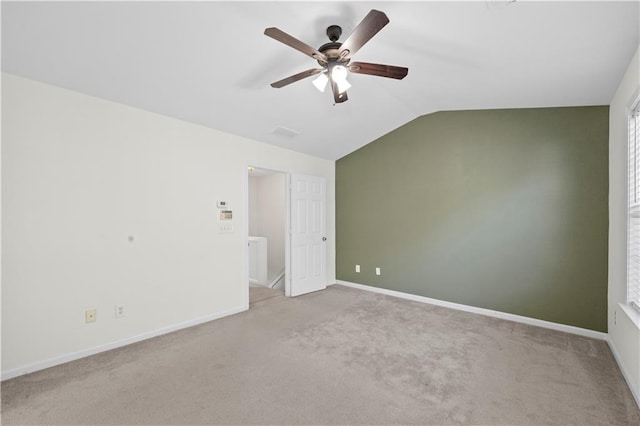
(210, 63)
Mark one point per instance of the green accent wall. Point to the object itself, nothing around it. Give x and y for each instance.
(498, 209)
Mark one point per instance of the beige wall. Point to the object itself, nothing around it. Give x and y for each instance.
(105, 204)
(624, 324)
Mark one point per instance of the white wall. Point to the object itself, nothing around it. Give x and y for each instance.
(267, 201)
(105, 204)
(624, 334)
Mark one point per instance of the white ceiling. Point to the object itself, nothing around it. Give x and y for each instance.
(209, 62)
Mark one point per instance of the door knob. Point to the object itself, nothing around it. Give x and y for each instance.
(324, 238)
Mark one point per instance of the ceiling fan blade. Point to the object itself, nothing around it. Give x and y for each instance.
(379, 70)
(291, 41)
(292, 79)
(338, 97)
(370, 25)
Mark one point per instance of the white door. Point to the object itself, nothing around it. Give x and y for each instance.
(308, 246)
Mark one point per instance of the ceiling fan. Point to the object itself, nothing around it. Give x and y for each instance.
(334, 57)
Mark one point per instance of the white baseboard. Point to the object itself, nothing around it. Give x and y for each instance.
(635, 392)
(41, 365)
(488, 312)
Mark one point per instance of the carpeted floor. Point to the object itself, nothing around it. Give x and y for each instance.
(258, 294)
(340, 356)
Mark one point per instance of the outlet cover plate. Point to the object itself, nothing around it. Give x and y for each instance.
(120, 311)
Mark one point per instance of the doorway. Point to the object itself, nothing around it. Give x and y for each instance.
(267, 216)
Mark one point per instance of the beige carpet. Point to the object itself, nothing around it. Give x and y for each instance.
(258, 294)
(340, 356)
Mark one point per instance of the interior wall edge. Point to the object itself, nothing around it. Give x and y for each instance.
(624, 333)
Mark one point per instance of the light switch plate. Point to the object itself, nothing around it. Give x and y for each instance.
(225, 228)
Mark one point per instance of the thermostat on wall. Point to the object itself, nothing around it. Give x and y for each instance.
(223, 204)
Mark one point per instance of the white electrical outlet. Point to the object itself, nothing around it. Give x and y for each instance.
(90, 315)
(377, 271)
(120, 312)
(357, 268)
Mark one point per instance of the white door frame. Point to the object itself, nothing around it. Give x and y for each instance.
(287, 226)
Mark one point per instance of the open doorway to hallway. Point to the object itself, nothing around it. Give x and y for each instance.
(267, 223)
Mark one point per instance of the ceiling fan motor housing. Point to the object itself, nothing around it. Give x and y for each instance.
(332, 49)
(334, 32)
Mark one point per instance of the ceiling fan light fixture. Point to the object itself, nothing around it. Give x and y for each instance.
(321, 82)
(343, 85)
(339, 76)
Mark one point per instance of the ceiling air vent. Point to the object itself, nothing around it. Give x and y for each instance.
(283, 131)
